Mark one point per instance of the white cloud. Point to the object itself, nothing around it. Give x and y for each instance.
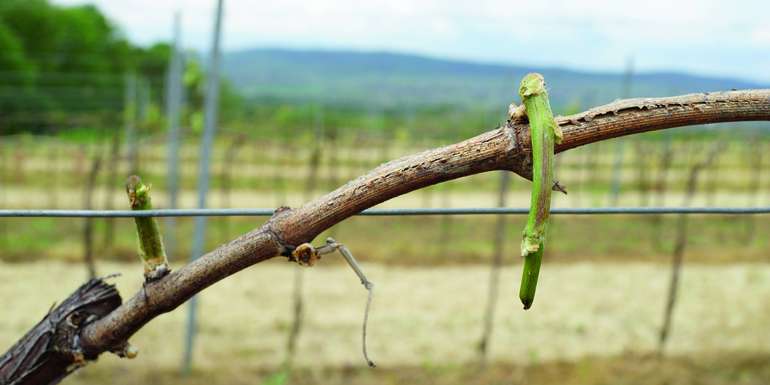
(704, 36)
(761, 35)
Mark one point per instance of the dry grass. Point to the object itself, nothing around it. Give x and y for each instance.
(727, 368)
(424, 317)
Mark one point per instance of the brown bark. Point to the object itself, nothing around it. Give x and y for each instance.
(50, 351)
(505, 148)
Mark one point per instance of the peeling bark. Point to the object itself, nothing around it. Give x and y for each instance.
(53, 349)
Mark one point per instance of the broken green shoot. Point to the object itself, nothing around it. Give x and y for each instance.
(544, 133)
(151, 249)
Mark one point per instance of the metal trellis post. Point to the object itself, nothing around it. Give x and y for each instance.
(173, 106)
(210, 111)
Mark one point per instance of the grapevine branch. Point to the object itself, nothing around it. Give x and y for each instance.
(504, 148)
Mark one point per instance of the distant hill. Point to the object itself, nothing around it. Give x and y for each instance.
(381, 79)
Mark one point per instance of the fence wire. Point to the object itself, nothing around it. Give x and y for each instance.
(261, 212)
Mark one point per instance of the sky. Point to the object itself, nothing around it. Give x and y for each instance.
(705, 37)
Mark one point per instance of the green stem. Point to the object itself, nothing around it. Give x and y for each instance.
(544, 133)
(151, 248)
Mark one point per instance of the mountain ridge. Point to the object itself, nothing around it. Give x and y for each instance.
(383, 79)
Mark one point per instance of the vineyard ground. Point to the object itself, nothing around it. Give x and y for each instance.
(592, 323)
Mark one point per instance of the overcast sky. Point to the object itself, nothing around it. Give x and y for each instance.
(709, 37)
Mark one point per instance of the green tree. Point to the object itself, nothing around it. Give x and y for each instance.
(67, 61)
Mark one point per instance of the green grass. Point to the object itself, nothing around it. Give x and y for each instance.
(425, 241)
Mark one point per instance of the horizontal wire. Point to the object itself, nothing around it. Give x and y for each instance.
(259, 212)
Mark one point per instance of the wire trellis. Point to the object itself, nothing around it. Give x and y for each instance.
(261, 212)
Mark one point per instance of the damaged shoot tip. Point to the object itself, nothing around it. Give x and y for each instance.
(151, 249)
(544, 133)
